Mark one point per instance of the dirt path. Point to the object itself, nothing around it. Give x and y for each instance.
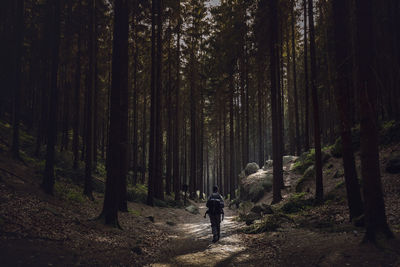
(191, 244)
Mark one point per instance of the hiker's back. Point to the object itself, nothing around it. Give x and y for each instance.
(215, 204)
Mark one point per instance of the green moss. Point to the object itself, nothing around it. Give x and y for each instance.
(75, 196)
(68, 192)
(135, 212)
(309, 174)
(339, 185)
(101, 169)
(304, 162)
(137, 193)
(296, 203)
(268, 223)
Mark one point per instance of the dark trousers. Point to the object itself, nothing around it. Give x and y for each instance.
(215, 224)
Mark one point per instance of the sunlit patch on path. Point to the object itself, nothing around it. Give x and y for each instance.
(194, 248)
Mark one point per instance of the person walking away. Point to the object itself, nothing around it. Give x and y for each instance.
(215, 205)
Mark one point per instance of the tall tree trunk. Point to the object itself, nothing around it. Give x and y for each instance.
(261, 158)
(177, 184)
(231, 140)
(296, 104)
(193, 130)
(306, 94)
(95, 96)
(135, 97)
(75, 138)
(90, 102)
(48, 177)
(343, 84)
(277, 159)
(319, 191)
(168, 98)
(116, 149)
(159, 192)
(152, 141)
(19, 38)
(375, 216)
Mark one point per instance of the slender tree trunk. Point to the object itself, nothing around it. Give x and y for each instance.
(75, 138)
(90, 103)
(168, 104)
(135, 98)
(193, 130)
(261, 159)
(159, 189)
(277, 159)
(152, 143)
(177, 184)
(231, 141)
(144, 136)
(343, 84)
(296, 104)
(19, 38)
(116, 150)
(306, 94)
(319, 192)
(48, 177)
(375, 216)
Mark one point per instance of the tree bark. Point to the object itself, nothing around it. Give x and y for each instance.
(90, 103)
(277, 159)
(48, 177)
(116, 150)
(306, 94)
(19, 38)
(375, 216)
(319, 191)
(343, 84)
(176, 176)
(296, 103)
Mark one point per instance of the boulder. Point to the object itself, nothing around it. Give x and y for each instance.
(254, 186)
(268, 164)
(289, 159)
(393, 165)
(251, 168)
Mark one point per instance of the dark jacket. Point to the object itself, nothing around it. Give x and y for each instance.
(215, 204)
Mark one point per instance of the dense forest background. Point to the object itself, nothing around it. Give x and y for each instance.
(179, 95)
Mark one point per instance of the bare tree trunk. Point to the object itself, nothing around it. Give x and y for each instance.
(116, 149)
(231, 140)
(306, 95)
(90, 103)
(48, 177)
(274, 60)
(152, 141)
(296, 104)
(19, 38)
(343, 84)
(319, 191)
(176, 182)
(375, 216)
(75, 139)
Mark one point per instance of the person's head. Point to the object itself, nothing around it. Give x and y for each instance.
(215, 189)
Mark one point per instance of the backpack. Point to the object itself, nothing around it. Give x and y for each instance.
(215, 204)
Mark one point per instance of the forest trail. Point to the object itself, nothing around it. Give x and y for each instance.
(192, 246)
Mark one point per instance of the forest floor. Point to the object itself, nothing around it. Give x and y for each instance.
(41, 230)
